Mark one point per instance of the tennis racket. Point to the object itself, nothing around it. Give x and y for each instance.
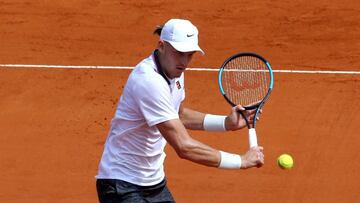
(246, 79)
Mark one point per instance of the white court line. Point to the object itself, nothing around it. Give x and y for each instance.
(63, 66)
(192, 69)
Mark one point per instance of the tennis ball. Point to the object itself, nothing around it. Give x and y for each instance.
(285, 161)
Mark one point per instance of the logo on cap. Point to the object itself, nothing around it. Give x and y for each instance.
(190, 35)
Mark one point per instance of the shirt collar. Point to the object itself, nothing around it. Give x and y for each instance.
(158, 66)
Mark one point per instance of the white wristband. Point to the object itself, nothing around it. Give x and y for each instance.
(214, 123)
(230, 161)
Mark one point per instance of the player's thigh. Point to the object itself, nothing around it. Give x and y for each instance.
(132, 198)
(115, 191)
(106, 190)
(159, 193)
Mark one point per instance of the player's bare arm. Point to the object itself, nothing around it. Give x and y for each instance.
(191, 119)
(188, 148)
(185, 146)
(194, 120)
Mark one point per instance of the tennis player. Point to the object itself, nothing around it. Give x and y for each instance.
(150, 114)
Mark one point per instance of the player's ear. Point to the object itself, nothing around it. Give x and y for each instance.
(161, 46)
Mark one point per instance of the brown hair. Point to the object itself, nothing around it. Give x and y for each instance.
(158, 30)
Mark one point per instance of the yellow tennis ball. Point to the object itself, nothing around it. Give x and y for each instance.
(285, 161)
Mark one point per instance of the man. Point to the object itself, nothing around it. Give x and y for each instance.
(150, 114)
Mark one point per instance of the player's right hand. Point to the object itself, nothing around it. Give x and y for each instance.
(253, 158)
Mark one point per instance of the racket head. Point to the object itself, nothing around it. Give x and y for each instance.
(246, 79)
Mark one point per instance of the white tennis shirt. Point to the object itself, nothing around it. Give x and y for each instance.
(134, 148)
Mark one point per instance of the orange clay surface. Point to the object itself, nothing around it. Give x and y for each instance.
(54, 122)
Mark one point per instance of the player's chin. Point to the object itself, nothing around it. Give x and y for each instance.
(179, 71)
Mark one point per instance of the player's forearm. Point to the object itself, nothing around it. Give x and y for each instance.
(187, 148)
(205, 155)
(199, 153)
(191, 119)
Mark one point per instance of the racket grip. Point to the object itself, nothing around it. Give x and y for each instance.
(252, 138)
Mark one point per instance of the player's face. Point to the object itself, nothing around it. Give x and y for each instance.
(173, 61)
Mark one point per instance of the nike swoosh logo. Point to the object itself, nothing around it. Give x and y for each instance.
(190, 35)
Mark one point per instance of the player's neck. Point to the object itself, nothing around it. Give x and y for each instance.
(160, 66)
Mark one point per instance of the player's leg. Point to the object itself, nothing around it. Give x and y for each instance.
(159, 193)
(106, 190)
(117, 191)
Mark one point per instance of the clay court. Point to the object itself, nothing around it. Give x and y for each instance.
(54, 121)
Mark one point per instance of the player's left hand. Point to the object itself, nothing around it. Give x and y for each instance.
(235, 121)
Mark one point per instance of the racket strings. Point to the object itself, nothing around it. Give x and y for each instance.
(246, 80)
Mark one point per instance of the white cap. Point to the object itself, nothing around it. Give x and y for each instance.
(181, 34)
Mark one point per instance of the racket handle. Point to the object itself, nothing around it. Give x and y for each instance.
(252, 138)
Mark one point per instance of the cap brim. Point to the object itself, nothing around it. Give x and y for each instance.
(186, 47)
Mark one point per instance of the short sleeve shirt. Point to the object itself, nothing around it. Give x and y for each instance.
(134, 149)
